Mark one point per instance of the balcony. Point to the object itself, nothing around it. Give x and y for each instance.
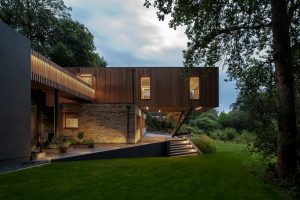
(47, 73)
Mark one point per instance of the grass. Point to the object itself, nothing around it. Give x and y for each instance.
(221, 175)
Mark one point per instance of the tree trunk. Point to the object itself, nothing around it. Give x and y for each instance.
(287, 131)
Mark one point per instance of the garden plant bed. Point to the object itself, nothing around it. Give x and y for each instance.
(55, 150)
(37, 155)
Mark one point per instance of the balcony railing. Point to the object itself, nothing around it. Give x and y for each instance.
(46, 72)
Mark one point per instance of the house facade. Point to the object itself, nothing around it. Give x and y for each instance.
(107, 104)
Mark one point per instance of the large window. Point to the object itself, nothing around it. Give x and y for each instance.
(194, 88)
(71, 121)
(145, 88)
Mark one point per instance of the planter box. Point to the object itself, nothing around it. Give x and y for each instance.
(37, 155)
(54, 150)
(83, 145)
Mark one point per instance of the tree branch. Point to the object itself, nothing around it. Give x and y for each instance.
(294, 6)
(218, 32)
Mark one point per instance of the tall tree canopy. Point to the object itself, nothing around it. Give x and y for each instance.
(259, 42)
(47, 23)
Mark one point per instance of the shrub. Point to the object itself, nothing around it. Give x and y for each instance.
(215, 134)
(191, 129)
(245, 137)
(231, 133)
(205, 144)
(205, 123)
(90, 142)
(80, 135)
(218, 135)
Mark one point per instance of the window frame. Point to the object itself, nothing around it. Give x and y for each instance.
(140, 85)
(73, 115)
(90, 75)
(199, 96)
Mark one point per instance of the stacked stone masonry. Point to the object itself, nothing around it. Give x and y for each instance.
(104, 123)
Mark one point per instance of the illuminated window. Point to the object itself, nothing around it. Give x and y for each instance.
(71, 121)
(88, 78)
(145, 88)
(194, 88)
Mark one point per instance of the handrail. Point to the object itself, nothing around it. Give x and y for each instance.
(55, 76)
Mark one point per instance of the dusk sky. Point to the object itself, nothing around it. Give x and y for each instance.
(128, 34)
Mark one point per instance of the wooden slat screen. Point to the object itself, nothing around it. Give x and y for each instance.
(48, 73)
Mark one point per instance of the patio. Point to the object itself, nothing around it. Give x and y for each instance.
(148, 138)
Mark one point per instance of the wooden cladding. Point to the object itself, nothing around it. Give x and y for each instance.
(50, 74)
(169, 90)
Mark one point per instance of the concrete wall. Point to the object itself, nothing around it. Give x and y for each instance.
(104, 123)
(15, 102)
(159, 149)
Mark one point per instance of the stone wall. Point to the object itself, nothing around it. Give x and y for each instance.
(104, 123)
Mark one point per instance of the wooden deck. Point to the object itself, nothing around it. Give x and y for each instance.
(46, 72)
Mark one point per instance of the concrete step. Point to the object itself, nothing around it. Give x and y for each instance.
(183, 151)
(181, 146)
(179, 143)
(184, 154)
(191, 154)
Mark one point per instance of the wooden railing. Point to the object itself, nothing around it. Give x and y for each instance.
(48, 73)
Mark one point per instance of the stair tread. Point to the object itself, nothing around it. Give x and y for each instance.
(175, 150)
(184, 152)
(194, 154)
(182, 148)
(187, 151)
(180, 143)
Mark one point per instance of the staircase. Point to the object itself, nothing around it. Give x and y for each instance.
(182, 147)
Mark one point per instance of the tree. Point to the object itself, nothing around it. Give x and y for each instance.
(237, 119)
(72, 45)
(239, 33)
(40, 19)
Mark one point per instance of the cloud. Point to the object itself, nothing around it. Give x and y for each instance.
(130, 29)
(128, 34)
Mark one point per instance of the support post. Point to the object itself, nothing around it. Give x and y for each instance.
(180, 123)
(128, 122)
(56, 113)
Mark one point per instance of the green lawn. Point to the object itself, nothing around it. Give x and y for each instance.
(217, 176)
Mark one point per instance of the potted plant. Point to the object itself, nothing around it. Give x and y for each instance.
(80, 142)
(58, 145)
(35, 150)
(90, 143)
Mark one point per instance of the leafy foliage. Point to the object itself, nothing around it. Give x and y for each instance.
(247, 38)
(47, 23)
(80, 135)
(231, 133)
(205, 144)
(159, 123)
(235, 118)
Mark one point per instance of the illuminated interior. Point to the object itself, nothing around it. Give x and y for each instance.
(194, 88)
(71, 121)
(145, 88)
(88, 78)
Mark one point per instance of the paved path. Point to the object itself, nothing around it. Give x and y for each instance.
(146, 139)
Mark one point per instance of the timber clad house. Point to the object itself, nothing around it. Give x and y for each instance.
(107, 104)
